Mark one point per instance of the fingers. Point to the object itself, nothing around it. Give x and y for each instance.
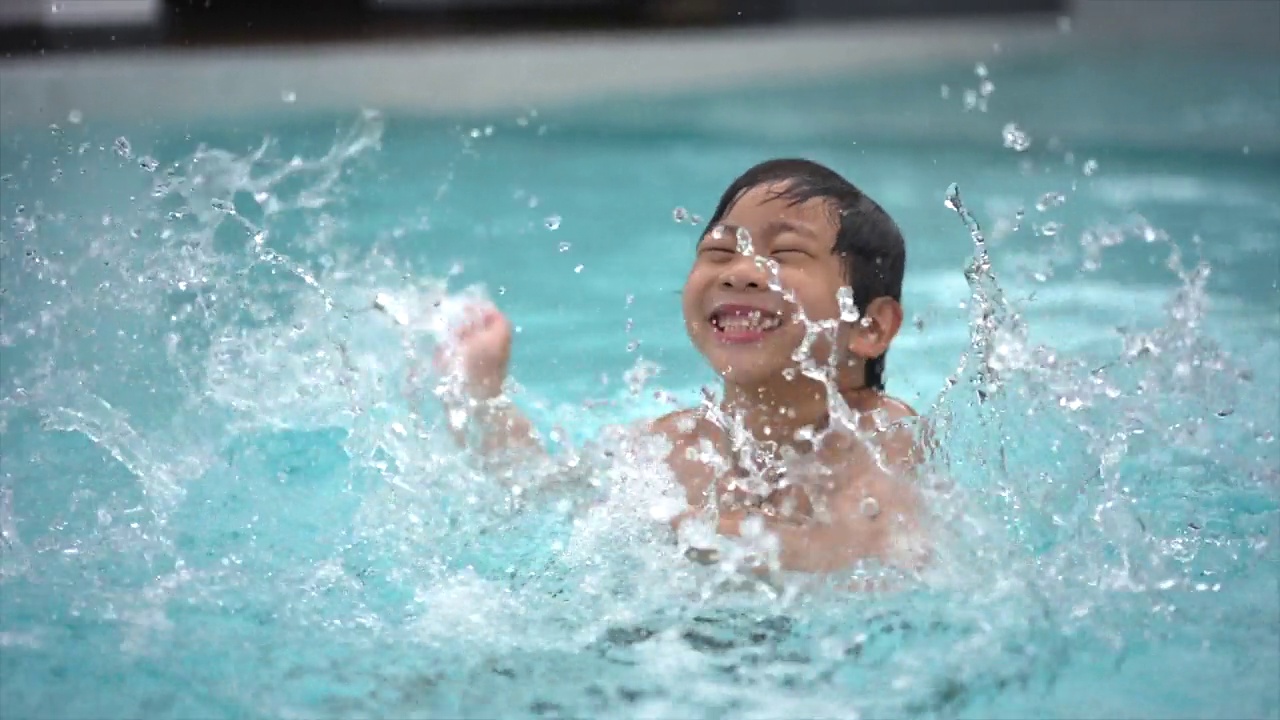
(476, 318)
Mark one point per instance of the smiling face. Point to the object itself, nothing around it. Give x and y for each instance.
(764, 262)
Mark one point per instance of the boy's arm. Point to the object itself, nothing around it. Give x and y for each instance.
(493, 428)
(480, 417)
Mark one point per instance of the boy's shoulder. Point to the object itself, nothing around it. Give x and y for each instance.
(685, 422)
(684, 429)
(893, 409)
(904, 435)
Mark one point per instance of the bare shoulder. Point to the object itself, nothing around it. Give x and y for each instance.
(903, 432)
(896, 410)
(674, 425)
(884, 499)
(684, 429)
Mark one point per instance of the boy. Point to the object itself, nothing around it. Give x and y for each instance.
(807, 446)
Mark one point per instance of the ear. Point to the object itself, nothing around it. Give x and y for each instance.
(878, 327)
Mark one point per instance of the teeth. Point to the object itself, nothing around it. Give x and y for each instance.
(751, 321)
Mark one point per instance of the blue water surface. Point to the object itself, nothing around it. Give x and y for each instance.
(216, 499)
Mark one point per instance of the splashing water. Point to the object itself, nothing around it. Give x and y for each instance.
(1015, 138)
(215, 447)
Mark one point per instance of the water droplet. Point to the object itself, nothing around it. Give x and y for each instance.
(1015, 138)
(578, 269)
(980, 70)
(75, 117)
(149, 164)
(985, 88)
(952, 198)
(946, 91)
(223, 206)
(633, 346)
(1050, 200)
(848, 309)
(289, 96)
(552, 222)
(123, 149)
(488, 130)
(744, 241)
(502, 289)
(869, 507)
(775, 275)
(1050, 229)
(680, 214)
(475, 132)
(1064, 24)
(1072, 403)
(564, 247)
(1090, 166)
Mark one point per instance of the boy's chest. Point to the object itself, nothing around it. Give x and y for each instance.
(793, 487)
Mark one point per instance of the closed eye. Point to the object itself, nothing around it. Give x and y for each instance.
(791, 252)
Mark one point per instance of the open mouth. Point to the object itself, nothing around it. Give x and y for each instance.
(742, 323)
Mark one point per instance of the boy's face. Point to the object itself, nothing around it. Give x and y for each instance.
(745, 328)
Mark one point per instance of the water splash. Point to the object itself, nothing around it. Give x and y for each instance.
(267, 464)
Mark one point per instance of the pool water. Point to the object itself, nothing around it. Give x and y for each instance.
(218, 500)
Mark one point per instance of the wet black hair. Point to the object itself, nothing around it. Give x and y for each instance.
(867, 239)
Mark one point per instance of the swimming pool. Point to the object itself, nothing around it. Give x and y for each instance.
(216, 502)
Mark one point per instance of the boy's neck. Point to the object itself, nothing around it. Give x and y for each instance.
(776, 413)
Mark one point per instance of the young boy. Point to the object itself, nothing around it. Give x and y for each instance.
(807, 445)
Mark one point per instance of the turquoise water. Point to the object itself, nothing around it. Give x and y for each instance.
(216, 500)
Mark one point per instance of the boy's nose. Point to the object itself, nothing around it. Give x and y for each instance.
(734, 282)
(743, 274)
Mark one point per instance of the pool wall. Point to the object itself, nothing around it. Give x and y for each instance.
(471, 74)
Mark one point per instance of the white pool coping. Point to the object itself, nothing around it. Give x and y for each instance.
(477, 75)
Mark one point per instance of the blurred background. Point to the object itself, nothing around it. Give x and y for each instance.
(35, 25)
